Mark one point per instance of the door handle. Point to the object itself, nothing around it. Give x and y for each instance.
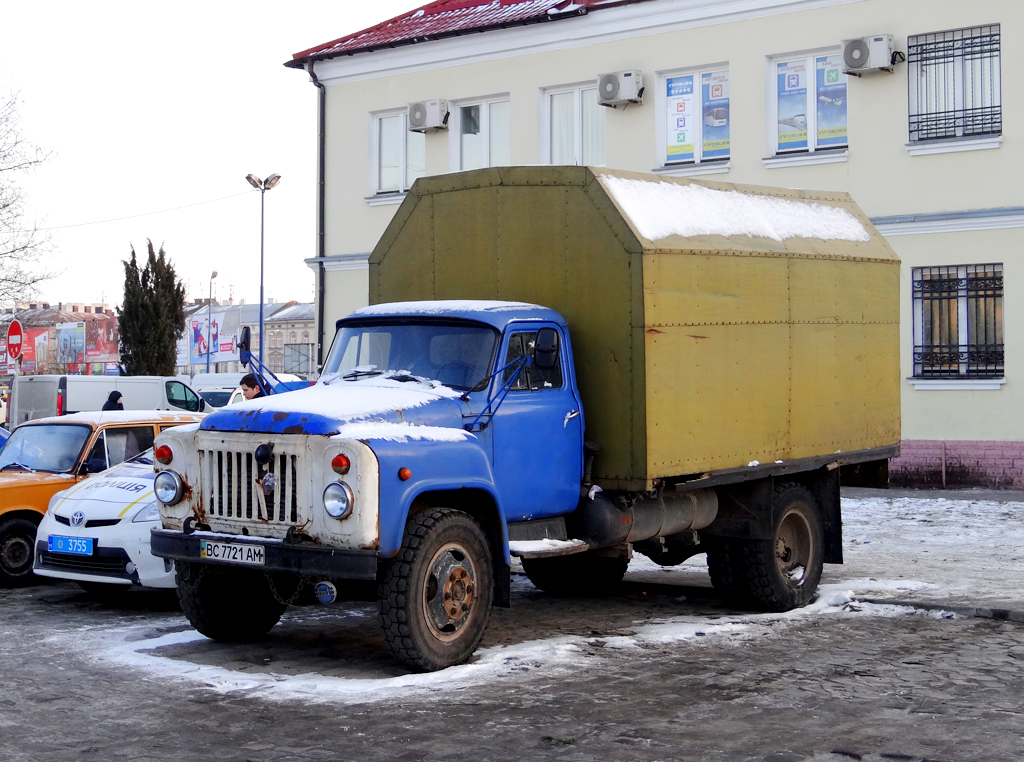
(569, 416)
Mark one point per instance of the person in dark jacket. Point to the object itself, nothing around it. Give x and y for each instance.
(113, 401)
(250, 387)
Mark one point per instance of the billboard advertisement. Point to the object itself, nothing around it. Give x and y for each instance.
(101, 341)
(214, 334)
(681, 126)
(830, 88)
(715, 114)
(35, 351)
(70, 344)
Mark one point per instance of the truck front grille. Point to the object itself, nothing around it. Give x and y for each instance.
(232, 490)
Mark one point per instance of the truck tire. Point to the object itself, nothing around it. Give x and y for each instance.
(435, 595)
(782, 573)
(17, 552)
(724, 561)
(227, 605)
(578, 574)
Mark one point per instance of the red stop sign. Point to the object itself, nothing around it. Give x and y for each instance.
(14, 335)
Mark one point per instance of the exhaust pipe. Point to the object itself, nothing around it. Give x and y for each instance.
(603, 521)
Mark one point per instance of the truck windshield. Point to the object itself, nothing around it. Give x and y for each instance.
(458, 354)
(53, 448)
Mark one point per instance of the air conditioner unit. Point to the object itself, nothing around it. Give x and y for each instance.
(867, 54)
(428, 115)
(620, 87)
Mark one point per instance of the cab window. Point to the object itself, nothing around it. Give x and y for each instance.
(180, 396)
(115, 446)
(531, 378)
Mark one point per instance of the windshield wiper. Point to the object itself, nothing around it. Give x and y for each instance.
(18, 466)
(403, 377)
(354, 374)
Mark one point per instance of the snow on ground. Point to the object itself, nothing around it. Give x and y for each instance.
(921, 549)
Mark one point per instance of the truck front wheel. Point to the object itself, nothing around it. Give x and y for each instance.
(783, 572)
(435, 595)
(227, 604)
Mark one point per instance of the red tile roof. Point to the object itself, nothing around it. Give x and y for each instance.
(448, 18)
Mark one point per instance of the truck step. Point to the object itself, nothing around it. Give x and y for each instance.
(546, 548)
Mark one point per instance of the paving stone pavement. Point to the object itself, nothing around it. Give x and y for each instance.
(836, 687)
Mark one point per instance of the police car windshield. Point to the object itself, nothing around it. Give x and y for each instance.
(45, 447)
(456, 353)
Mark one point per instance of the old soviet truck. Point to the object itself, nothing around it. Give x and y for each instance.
(563, 364)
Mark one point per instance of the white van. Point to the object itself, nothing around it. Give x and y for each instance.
(35, 397)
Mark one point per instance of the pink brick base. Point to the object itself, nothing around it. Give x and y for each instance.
(998, 465)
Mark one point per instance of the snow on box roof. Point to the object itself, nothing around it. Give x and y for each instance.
(449, 18)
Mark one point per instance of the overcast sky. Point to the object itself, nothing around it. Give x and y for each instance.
(149, 107)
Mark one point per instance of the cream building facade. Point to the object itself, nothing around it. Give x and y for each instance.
(750, 91)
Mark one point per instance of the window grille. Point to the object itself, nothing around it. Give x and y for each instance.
(955, 83)
(958, 321)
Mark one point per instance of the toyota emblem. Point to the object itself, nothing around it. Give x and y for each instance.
(77, 519)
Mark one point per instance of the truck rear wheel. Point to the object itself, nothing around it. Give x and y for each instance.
(578, 574)
(17, 552)
(435, 595)
(783, 572)
(227, 604)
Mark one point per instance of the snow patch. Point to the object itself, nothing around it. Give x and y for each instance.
(400, 432)
(532, 546)
(662, 209)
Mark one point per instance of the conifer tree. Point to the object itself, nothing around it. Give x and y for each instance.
(152, 316)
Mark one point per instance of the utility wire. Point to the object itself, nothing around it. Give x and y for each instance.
(144, 214)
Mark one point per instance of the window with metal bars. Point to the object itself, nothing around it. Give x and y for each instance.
(958, 321)
(955, 83)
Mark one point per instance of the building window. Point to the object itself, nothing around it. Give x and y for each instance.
(297, 358)
(575, 126)
(401, 155)
(958, 321)
(955, 83)
(484, 134)
(697, 117)
(808, 104)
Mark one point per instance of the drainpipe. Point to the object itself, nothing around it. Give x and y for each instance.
(321, 151)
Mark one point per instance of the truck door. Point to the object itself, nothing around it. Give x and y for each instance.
(537, 434)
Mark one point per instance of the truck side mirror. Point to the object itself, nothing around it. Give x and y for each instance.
(243, 346)
(545, 349)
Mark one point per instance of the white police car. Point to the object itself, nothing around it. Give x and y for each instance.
(97, 532)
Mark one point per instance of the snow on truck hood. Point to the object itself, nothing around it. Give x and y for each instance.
(333, 406)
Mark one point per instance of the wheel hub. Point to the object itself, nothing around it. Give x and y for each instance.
(793, 548)
(450, 589)
(15, 553)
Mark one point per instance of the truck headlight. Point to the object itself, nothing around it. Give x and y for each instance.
(338, 500)
(168, 488)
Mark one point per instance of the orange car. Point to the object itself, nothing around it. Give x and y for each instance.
(45, 456)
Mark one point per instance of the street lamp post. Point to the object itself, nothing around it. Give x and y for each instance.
(262, 186)
(209, 323)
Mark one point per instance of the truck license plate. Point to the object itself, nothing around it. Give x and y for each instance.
(75, 546)
(229, 552)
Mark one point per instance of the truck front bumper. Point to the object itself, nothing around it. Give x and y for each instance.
(303, 560)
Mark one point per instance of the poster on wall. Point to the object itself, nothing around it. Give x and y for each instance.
(830, 88)
(715, 113)
(101, 340)
(792, 105)
(679, 109)
(70, 343)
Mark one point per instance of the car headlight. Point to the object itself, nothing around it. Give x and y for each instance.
(168, 488)
(55, 499)
(150, 512)
(338, 500)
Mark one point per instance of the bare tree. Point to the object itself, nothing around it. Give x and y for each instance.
(22, 243)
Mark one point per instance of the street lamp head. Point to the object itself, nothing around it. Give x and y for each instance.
(271, 181)
(254, 181)
(214, 275)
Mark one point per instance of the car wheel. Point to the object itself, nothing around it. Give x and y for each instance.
(225, 604)
(17, 552)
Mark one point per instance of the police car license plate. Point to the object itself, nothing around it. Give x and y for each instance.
(232, 553)
(75, 546)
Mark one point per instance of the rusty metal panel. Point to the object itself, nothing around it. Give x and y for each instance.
(717, 396)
